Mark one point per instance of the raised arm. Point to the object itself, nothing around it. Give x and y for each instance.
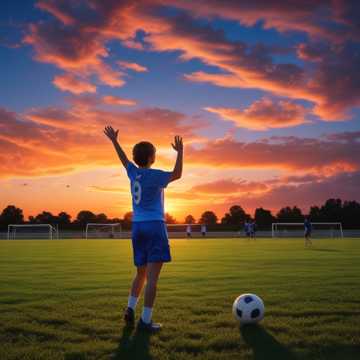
(178, 147)
(112, 135)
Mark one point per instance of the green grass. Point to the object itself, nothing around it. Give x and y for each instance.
(64, 300)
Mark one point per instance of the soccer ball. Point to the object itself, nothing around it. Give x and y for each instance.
(248, 309)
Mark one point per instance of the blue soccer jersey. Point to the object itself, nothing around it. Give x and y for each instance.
(147, 190)
(307, 225)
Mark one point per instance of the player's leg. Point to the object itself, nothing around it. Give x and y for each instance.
(140, 255)
(138, 281)
(135, 291)
(153, 272)
(158, 253)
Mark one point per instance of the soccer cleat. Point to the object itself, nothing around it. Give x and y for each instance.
(151, 327)
(129, 317)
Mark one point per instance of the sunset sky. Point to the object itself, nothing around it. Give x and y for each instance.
(266, 95)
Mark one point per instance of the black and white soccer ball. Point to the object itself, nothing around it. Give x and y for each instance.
(248, 309)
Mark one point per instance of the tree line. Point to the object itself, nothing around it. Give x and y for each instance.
(333, 210)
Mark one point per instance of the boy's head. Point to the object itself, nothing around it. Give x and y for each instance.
(144, 154)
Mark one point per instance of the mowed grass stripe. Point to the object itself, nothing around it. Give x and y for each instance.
(64, 300)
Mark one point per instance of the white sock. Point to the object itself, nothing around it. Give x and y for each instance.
(146, 315)
(132, 302)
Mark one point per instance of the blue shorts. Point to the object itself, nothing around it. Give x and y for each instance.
(150, 242)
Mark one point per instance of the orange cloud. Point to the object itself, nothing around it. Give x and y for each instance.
(321, 19)
(264, 114)
(326, 154)
(54, 140)
(116, 100)
(344, 186)
(69, 82)
(228, 186)
(132, 66)
(75, 41)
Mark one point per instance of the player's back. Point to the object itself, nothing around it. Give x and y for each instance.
(147, 189)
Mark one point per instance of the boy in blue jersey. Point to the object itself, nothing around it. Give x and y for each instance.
(307, 233)
(247, 228)
(252, 229)
(149, 235)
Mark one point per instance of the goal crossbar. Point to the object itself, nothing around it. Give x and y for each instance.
(274, 226)
(12, 229)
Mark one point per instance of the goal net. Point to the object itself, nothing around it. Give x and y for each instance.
(187, 230)
(32, 231)
(318, 230)
(103, 231)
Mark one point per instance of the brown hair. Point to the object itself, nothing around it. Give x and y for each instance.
(142, 152)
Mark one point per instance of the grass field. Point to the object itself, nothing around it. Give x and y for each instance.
(64, 300)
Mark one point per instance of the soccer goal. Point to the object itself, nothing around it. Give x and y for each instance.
(187, 230)
(103, 231)
(32, 231)
(319, 230)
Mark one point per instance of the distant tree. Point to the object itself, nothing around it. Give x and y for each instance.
(45, 217)
(288, 214)
(263, 218)
(351, 214)
(190, 219)
(64, 219)
(127, 220)
(11, 215)
(128, 216)
(102, 218)
(115, 220)
(315, 214)
(235, 216)
(169, 219)
(332, 210)
(84, 217)
(208, 218)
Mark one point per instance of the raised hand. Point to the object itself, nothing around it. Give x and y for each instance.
(111, 133)
(178, 144)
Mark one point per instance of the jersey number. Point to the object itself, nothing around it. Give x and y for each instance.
(136, 192)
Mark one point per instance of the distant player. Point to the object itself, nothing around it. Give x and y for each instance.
(252, 229)
(149, 234)
(188, 230)
(247, 229)
(307, 232)
(203, 230)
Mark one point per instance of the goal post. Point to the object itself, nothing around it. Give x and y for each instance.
(100, 230)
(14, 230)
(319, 229)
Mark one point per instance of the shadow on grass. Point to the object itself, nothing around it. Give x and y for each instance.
(133, 345)
(264, 345)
